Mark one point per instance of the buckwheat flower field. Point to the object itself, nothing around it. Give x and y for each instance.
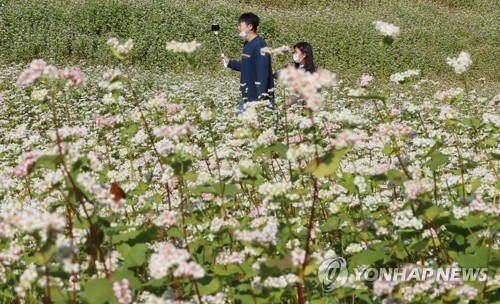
(127, 186)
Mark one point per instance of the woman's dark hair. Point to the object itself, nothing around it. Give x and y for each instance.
(306, 49)
(250, 18)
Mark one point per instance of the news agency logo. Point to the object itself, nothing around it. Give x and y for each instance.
(332, 273)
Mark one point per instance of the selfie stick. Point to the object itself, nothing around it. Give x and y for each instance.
(215, 29)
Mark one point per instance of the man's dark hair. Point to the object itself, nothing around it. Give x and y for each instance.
(250, 18)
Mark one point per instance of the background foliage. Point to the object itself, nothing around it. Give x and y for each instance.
(340, 32)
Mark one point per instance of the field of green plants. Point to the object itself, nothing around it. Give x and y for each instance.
(131, 178)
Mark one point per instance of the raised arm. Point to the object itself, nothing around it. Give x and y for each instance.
(234, 64)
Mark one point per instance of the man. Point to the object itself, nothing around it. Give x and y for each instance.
(256, 72)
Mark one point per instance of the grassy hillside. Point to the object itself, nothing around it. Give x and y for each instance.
(340, 31)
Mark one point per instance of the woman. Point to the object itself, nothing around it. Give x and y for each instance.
(303, 57)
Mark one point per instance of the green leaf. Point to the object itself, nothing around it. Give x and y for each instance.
(432, 212)
(98, 291)
(7, 293)
(43, 257)
(396, 177)
(471, 261)
(133, 256)
(438, 159)
(327, 164)
(468, 222)
(420, 245)
(57, 295)
(332, 223)
(140, 189)
(387, 149)
(475, 184)
(48, 161)
(471, 122)
(367, 257)
(215, 189)
(276, 148)
(209, 285)
(126, 236)
(132, 129)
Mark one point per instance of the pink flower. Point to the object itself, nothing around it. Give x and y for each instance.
(25, 163)
(37, 69)
(329, 127)
(365, 80)
(74, 76)
(294, 139)
(122, 292)
(175, 108)
(167, 219)
(395, 112)
(103, 122)
(307, 85)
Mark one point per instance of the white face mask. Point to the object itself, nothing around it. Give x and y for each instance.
(296, 58)
(243, 35)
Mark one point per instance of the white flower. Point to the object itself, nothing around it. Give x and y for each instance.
(166, 219)
(182, 47)
(276, 51)
(405, 219)
(448, 94)
(415, 187)
(491, 119)
(120, 50)
(402, 77)
(298, 256)
(386, 29)
(461, 63)
(39, 95)
(355, 248)
(460, 212)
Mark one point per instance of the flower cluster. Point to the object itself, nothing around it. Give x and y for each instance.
(226, 258)
(166, 219)
(393, 129)
(345, 139)
(415, 187)
(267, 233)
(25, 163)
(174, 132)
(448, 94)
(74, 76)
(273, 190)
(167, 256)
(120, 50)
(122, 292)
(103, 122)
(365, 80)
(218, 223)
(460, 63)
(405, 219)
(182, 47)
(374, 170)
(386, 29)
(37, 69)
(276, 51)
(306, 84)
(402, 77)
(67, 131)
